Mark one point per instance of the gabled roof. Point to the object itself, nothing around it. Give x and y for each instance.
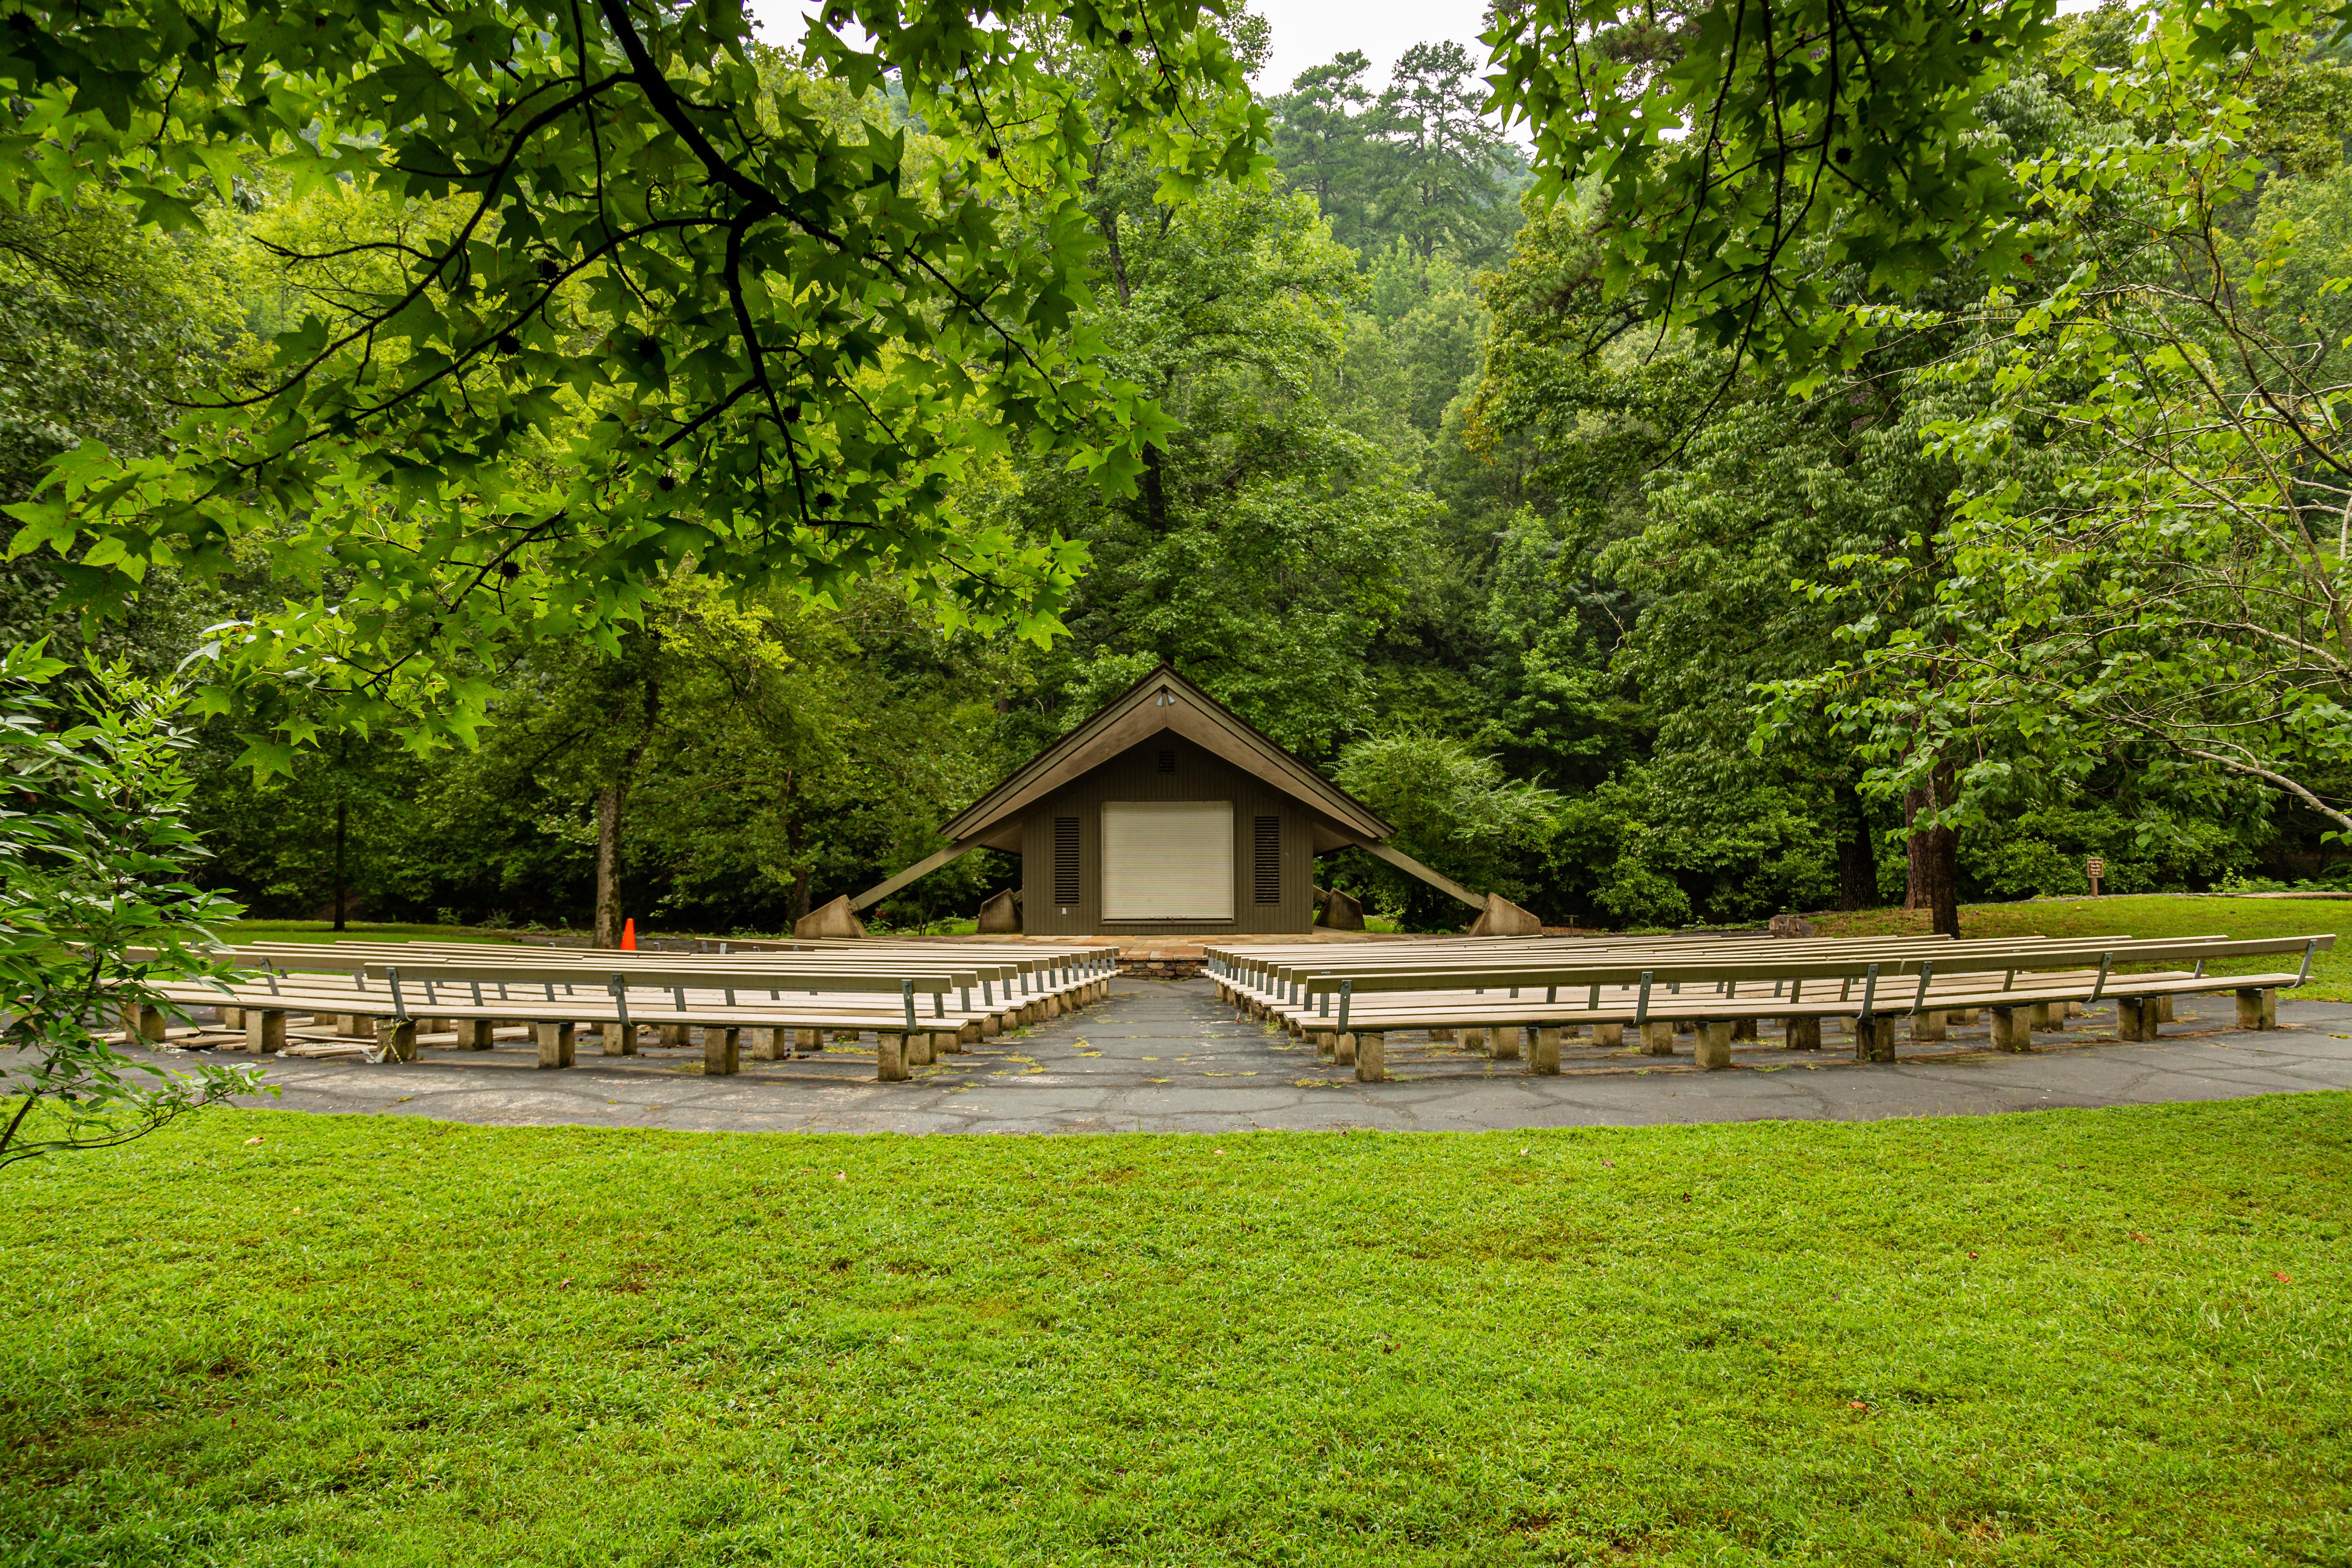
(1164, 701)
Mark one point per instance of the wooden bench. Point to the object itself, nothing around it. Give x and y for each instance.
(806, 998)
(1925, 982)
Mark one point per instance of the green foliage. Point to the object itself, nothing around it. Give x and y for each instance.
(1261, 550)
(2072, 1338)
(1751, 155)
(96, 906)
(656, 296)
(1451, 809)
(1418, 169)
(2145, 544)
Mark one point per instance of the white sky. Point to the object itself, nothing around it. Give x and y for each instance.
(1305, 32)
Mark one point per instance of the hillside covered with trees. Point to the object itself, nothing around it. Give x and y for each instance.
(1633, 616)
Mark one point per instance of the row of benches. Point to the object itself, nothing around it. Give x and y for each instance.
(917, 1000)
(1349, 997)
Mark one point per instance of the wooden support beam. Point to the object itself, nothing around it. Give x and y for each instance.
(921, 869)
(1438, 879)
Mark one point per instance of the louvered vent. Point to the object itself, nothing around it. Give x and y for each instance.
(1267, 844)
(1065, 861)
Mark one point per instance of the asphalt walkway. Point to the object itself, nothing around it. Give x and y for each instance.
(1165, 1056)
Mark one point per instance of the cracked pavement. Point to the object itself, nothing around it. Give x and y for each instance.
(1166, 1056)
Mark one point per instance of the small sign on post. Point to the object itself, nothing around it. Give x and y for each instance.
(2097, 870)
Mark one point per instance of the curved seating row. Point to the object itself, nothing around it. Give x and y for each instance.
(917, 1000)
(1349, 997)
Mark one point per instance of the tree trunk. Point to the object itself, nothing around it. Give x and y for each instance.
(1857, 851)
(611, 799)
(1155, 492)
(342, 883)
(611, 796)
(1935, 857)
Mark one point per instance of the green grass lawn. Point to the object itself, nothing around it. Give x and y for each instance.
(2147, 915)
(2112, 1337)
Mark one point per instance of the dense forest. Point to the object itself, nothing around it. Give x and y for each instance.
(1629, 622)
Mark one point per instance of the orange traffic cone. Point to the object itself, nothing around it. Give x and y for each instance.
(628, 936)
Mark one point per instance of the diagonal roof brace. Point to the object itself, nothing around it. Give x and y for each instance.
(1438, 879)
(923, 868)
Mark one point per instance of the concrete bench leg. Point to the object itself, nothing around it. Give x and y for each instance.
(1743, 1029)
(2132, 1019)
(1929, 1026)
(1873, 1039)
(1712, 1047)
(352, 1023)
(1805, 1034)
(141, 1023)
(474, 1034)
(1343, 1049)
(721, 1052)
(555, 1044)
(396, 1038)
(1371, 1058)
(769, 1044)
(1610, 1036)
(1441, 1035)
(1472, 1039)
(1505, 1046)
(919, 1053)
(890, 1057)
(674, 1034)
(2012, 1029)
(265, 1030)
(2257, 1009)
(1658, 1037)
(992, 1026)
(1325, 1041)
(1543, 1051)
(619, 1042)
(2164, 1009)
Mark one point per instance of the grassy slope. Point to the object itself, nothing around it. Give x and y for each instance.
(2112, 1337)
(2146, 915)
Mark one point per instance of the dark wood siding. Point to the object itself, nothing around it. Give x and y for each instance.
(1167, 767)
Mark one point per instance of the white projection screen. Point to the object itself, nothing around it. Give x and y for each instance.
(1168, 861)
